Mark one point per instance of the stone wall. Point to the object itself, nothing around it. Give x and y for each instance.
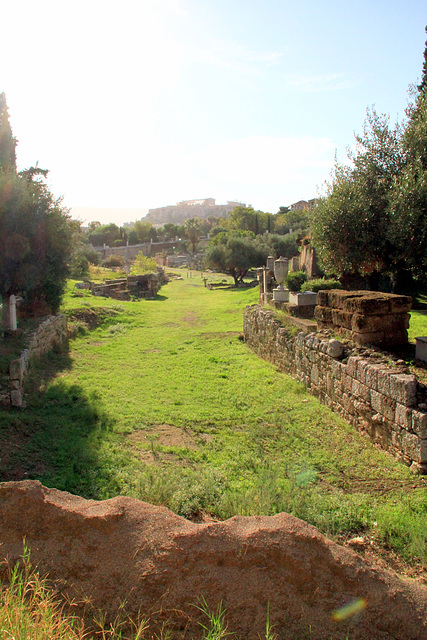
(52, 331)
(366, 317)
(382, 400)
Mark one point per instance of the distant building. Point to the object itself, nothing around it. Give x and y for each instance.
(299, 206)
(206, 202)
(201, 208)
(303, 204)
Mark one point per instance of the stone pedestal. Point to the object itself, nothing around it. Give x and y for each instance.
(307, 299)
(421, 348)
(281, 295)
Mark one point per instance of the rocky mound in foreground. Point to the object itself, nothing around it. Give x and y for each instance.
(124, 550)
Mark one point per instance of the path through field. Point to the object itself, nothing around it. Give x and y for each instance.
(165, 402)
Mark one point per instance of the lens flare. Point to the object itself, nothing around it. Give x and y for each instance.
(350, 609)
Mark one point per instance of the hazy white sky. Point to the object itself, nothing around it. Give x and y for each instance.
(142, 103)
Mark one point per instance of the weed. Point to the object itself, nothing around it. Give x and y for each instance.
(215, 628)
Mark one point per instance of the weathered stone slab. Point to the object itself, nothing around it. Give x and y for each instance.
(17, 369)
(419, 423)
(403, 387)
(16, 398)
(403, 416)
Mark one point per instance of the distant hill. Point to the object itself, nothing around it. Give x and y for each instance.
(177, 214)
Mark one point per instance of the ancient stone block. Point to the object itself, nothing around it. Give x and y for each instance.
(362, 366)
(366, 324)
(362, 339)
(403, 416)
(337, 369)
(314, 375)
(395, 337)
(372, 376)
(403, 388)
(368, 303)
(17, 369)
(338, 297)
(352, 366)
(383, 382)
(322, 298)
(400, 304)
(360, 390)
(347, 382)
(16, 398)
(341, 318)
(419, 423)
(383, 405)
(411, 447)
(323, 314)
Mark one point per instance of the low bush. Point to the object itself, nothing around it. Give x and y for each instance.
(295, 280)
(113, 261)
(320, 284)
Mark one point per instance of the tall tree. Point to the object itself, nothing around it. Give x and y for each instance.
(192, 230)
(422, 87)
(35, 243)
(7, 141)
(350, 225)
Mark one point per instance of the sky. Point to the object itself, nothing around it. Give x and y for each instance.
(139, 104)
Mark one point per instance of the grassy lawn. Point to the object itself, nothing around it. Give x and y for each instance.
(163, 401)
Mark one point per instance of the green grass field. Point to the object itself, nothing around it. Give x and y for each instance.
(164, 402)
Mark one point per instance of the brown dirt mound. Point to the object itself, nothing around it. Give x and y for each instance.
(124, 550)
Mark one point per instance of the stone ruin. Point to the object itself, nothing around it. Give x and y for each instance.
(146, 285)
(365, 317)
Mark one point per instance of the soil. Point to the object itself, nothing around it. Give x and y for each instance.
(126, 554)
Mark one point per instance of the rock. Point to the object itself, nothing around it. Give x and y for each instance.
(357, 542)
(123, 550)
(335, 349)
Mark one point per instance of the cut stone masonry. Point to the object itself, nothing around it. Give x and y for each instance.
(366, 317)
(376, 398)
(52, 331)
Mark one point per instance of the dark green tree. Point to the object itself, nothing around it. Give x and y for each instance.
(422, 87)
(235, 253)
(350, 224)
(104, 234)
(7, 141)
(35, 242)
(192, 230)
(247, 219)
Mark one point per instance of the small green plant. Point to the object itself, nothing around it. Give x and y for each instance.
(216, 627)
(295, 280)
(143, 264)
(319, 284)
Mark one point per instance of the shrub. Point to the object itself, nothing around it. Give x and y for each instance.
(79, 266)
(295, 280)
(143, 264)
(113, 261)
(318, 284)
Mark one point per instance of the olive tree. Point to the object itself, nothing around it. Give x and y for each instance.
(35, 242)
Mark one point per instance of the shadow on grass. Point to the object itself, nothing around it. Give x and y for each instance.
(158, 298)
(64, 439)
